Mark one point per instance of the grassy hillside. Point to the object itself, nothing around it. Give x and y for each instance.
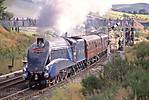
(13, 44)
(115, 15)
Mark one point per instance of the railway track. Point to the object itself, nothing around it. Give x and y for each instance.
(10, 82)
(10, 76)
(28, 93)
(11, 86)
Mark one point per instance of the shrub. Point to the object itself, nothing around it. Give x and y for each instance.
(107, 94)
(116, 70)
(142, 55)
(92, 83)
(69, 92)
(138, 80)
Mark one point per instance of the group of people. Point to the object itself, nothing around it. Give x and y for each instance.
(129, 35)
(129, 38)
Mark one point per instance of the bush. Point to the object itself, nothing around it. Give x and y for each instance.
(133, 77)
(107, 94)
(138, 80)
(142, 55)
(92, 83)
(116, 70)
(69, 92)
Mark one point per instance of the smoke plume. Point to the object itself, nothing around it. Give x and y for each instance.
(64, 15)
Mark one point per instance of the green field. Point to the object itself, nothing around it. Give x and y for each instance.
(119, 15)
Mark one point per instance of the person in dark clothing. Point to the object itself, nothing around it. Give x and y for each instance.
(132, 36)
(119, 44)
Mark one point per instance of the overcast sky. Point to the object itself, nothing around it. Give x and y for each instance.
(127, 1)
(112, 1)
(22, 8)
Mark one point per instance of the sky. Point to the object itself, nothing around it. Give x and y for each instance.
(113, 1)
(126, 1)
(16, 5)
(57, 13)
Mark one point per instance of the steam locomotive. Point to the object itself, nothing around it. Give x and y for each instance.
(50, 60)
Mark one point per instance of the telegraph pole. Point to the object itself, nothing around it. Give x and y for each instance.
(109, 42)
(122, 53)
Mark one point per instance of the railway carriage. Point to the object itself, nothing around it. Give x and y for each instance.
(95, 47)
(104, 39)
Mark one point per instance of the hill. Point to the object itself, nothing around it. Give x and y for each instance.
(119, 15)
(141, 8)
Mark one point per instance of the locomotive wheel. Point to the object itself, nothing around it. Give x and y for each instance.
(73, 71)
(82, 65)
(31, 84)
(44, 83)
(61, 76)
(88, 63)
(57, 79)
(66, 76)
(52, 81)
(78, 67)
(96, 59)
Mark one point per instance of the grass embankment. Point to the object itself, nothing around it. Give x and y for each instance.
(12, 45)
(69, 92)
(119, 15)
(122, 80)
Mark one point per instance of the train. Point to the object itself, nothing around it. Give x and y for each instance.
(50, 60)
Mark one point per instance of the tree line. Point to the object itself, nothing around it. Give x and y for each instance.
(141, 11)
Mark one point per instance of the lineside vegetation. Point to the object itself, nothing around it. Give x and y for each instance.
(121, 80)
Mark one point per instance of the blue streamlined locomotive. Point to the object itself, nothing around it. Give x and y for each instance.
(50, 60)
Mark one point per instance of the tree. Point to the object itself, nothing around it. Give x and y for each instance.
(134, 12)
(7, 15)
(142, 11)
(2, 8)
(3, 13)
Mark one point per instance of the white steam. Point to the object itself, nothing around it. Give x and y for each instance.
(64, 15)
